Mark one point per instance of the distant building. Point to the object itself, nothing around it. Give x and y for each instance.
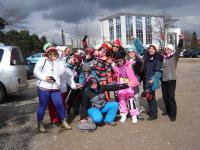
(144, 26)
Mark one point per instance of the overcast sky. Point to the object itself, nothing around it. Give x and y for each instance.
(47, 17)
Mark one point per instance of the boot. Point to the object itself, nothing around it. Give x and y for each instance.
(41, 127)
(123, 118)
(66, 125)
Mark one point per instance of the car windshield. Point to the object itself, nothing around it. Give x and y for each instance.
(37, 55)
(1, 54)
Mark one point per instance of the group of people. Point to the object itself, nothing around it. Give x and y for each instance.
(99, 82)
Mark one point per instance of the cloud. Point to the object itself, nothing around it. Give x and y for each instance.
(76, 10)
(68, 12)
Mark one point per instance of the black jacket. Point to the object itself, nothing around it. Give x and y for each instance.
(96, 98)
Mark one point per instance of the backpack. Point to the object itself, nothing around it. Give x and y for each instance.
(87, 126)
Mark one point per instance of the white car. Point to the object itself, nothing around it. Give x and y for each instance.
(13, 75)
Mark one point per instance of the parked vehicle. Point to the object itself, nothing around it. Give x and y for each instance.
(29, 69)
(198, 53)
(191, 53)
(34, 58)
(13, 75)
(181, 54)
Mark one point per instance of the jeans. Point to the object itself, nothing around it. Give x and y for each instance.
(110, 109)
(168, 92)
(44, 97)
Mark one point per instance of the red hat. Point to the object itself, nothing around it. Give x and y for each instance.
(50, 49)
(107, 45)
(78, 57)
(117, 42)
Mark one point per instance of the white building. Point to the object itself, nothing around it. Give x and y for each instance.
(144, 26)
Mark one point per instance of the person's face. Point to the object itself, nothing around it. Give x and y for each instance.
(96, 53)
(115, 48)
(52, 56)
(74, 61)
(131, 54)
(94, 85)
(88, 56)
(152, 51)
(67, 51)
(167, 50)
(86, 73)
(109, 60)
(120, 62)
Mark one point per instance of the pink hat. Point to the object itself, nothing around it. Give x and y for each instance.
(117, 42)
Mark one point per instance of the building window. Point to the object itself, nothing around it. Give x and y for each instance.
(129, 29)
(118, 28)
(111, 29)
(139, 31)
(148, 30)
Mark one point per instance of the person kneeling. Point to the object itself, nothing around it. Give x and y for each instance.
(94, 105)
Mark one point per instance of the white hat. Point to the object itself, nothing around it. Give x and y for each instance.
(80, 52)
(170, 46)
(61, 48)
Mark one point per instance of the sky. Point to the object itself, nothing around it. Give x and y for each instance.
(48, 17)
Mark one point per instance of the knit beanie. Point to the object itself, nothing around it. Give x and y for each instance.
(131, 48)
(107, 46)
(170, 46)
(117, 42)
(92, 80)
(61, 48)
(78, 57)
(47, 45)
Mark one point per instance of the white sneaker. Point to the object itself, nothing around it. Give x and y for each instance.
(123, 118)
(134, 119)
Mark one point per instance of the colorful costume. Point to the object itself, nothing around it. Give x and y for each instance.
(125, 74)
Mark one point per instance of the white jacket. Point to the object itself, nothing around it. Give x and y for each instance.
(44, 67)
(67, 79)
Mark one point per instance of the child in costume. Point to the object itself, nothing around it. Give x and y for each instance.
(125, 74)
(135, 58)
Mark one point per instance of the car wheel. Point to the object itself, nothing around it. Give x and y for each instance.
(3, 93)
(28, 62)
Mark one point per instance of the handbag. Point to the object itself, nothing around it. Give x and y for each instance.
(86, 125)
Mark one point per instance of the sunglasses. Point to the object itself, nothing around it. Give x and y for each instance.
(50, 54)
(115, 46)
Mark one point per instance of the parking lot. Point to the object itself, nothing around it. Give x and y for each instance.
(18, 128)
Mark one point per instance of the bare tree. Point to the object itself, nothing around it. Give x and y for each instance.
(12, 17)
(165, 22)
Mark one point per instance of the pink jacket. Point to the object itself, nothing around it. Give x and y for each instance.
(129, 71)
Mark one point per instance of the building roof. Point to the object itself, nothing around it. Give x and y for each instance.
(128, 14)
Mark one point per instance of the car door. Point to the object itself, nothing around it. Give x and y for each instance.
(18, 67)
